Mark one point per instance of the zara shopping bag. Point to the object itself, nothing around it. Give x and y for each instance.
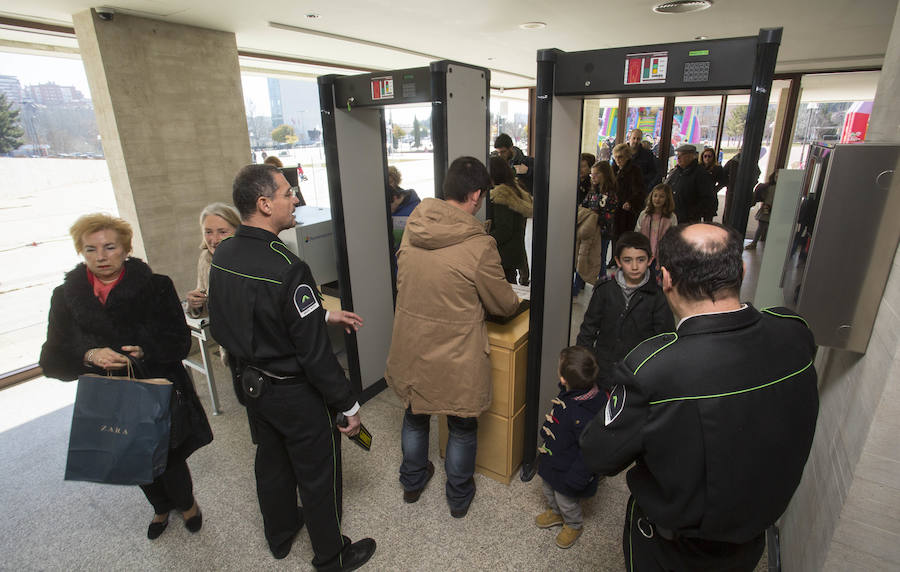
(120, 430)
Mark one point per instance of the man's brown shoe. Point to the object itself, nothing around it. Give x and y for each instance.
(413, 496)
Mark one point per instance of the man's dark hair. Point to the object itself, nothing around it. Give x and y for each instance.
(501, 172)
(591, 159)
(578, 366)
(632, 239)
(503, 141)
(252, 182)
(706, 271)
(465, 176)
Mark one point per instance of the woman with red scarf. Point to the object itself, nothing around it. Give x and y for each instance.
(112, 306)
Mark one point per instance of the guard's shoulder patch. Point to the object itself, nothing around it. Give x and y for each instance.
(305, 300)
(644, 351)
(781, 312)
(615, 405)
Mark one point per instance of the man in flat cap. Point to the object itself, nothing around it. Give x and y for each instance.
(691, 184)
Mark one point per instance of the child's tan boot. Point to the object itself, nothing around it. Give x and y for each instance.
(567, 536)
(548, 519)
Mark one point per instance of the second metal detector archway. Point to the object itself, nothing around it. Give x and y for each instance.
(564, 80)
(353, 131)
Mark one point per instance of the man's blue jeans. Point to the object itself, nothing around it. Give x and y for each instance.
(459, 463)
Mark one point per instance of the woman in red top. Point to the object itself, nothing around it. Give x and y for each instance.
(112, 305)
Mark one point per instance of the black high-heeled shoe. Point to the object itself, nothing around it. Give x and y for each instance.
(157, 528)
(194, 523)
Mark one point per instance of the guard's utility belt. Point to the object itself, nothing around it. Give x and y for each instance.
(255, 381)
(650, 529)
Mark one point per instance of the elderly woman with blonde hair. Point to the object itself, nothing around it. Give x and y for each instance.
(112, 308)
(218, 221)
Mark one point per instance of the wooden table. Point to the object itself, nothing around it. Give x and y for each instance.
(501, 428)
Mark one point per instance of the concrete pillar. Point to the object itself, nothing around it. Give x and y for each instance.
(844, 515)
(170, 112)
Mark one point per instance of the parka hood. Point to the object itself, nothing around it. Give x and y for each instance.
(438, 224)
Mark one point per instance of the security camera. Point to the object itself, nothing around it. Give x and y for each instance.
(105, 13)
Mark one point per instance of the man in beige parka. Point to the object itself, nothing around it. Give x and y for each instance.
(449, 275)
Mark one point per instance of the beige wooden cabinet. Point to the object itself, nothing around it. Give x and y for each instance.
(502, 427)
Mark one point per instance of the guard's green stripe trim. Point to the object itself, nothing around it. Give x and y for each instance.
(245, 275)
(657, 351)
(646, 340)
(769, 311)
(730, 393)
(630, 534)
(337, 515)
(272, 246)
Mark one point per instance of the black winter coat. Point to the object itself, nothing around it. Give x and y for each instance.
(629, 189)
(611, 329)
(718, 420)
(562, 464)
(694, 192)
(510, 207)
(142, 310)
(647, 163)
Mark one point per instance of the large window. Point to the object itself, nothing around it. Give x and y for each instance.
(54, 173)
(410, 148)
(283, 120)
(509, 114)
(645, 114)
(696, 121)
(834, 108)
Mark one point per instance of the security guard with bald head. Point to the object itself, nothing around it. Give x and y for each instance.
(718, 416)
(266, 312)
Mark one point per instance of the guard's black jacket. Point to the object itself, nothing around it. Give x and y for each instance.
(718, 418)
(265, 310)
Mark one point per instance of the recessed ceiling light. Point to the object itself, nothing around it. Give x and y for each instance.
(313, 16)
(701, 37)
(533, 26)
(682, 6)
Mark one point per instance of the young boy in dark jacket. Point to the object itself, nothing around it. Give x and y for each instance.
(625, 309)
(565, 477)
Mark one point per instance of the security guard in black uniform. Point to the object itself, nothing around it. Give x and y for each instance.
(265, 310)
(718, 417)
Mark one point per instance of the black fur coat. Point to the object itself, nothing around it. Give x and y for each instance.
(143, 309)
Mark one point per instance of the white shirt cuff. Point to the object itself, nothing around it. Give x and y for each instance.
(352, 411)
(327, 313)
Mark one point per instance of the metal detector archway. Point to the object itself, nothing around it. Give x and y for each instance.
(353, 131)
(564, 81)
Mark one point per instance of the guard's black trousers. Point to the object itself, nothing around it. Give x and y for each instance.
(646, 551)
(297, 444)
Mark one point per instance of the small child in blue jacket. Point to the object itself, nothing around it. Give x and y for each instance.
(566, 479)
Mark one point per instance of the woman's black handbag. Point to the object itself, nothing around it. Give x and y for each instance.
(120, 429)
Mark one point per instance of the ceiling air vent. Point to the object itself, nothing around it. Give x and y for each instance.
(682, 6)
